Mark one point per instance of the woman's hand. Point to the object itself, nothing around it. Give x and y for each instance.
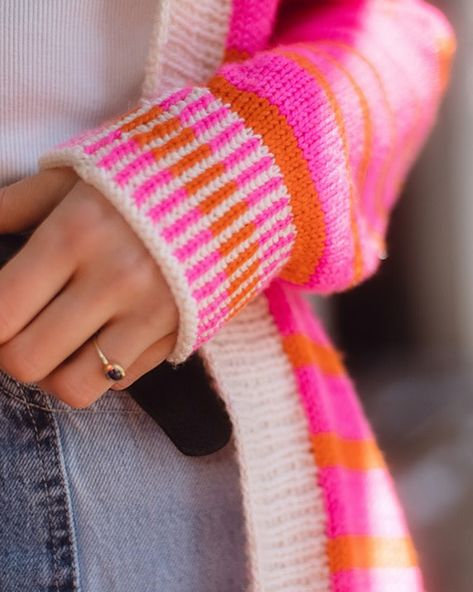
(82, 271)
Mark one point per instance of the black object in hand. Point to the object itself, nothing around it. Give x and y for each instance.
(183, 401)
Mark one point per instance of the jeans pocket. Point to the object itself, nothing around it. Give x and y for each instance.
(36, 543)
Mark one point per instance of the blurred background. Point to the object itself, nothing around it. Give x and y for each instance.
(407, 335)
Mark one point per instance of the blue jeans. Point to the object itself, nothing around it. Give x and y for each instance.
(99, 500)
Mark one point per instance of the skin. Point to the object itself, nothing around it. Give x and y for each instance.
(82, 271)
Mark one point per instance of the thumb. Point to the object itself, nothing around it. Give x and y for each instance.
(29, 201)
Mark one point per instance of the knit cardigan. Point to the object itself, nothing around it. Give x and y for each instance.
(261, 164)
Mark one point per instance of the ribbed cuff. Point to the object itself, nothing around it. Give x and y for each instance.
(202, 192)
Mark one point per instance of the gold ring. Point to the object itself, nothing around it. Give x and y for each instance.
(111, 370)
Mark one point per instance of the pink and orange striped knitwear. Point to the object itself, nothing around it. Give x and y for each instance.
(261, 164)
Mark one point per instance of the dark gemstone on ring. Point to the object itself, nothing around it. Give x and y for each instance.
(115, 372)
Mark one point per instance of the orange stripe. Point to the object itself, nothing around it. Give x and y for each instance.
(159, 131)
(191, 159)
(264, 119)
(331, 450)
(313, 71)
(204, 178)
(238, 263)
(236, 239)
(447, 47)
(235, 212)
(141, 119)
(217, 197)
(235, 55)
(365, 552)
(302, 351)
(237, 302)
(186, 136)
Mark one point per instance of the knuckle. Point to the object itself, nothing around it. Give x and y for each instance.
(72, 234)
(82, 222)
(92, 206)
(132, 275)
(141, 274)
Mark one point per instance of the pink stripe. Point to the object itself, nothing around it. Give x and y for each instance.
(109, 161)
(254, 170)
(279, 226)
(279, 245)
(210, 287)
(192, 108)
(331, 404)
(146, 159)
(153, 183)
(209, 121)
(240, 153)
(180, 95)
(271, 212)
(215, 318)
(167, 204)
(226, 135)
(190, 218)
(191, 246)
(261, 192)
(142, 193)
(205, 236)
(104, 141)
(361, 502)
(306, 319)
(221, 277)
(208, 327)
(177, 228)
(195, 272)
(204, 313)
(269, 271)
(406, 579)
(250, 34)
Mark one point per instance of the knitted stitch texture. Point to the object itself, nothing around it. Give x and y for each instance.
(276, 176)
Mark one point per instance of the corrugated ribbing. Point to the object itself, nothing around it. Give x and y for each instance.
(188, 44)
(284, 507)
(205, 191)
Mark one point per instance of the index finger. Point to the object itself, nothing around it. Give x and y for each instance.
(31, 279)
(27, 202)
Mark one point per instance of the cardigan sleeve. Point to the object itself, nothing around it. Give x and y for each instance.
(284, 165)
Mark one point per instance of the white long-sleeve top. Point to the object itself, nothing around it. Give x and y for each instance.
(65, 66)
